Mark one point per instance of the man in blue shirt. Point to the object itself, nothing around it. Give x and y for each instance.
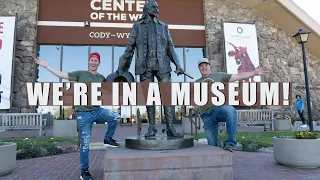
(300, 109)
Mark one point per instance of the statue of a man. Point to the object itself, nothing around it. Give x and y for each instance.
(154, 51)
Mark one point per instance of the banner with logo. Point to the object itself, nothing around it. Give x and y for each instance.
(7, 33)
(241, 48)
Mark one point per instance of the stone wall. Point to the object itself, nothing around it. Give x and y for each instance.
(26, 11)
(279, 52)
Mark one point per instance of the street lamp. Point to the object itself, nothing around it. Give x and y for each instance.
(302, 37)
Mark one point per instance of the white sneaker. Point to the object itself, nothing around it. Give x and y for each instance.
(303, 125)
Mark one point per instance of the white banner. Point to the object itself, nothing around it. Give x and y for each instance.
(241, 49)
(7, 31)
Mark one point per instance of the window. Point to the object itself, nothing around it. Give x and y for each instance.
(74, 58)
(174, 76)
(193, 55)
(52, 55)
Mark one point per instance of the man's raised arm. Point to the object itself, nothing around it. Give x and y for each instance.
(245, 75)
(57, 73)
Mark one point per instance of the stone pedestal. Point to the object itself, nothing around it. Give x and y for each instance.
(65, 128)
(159, 142)
(201, 162)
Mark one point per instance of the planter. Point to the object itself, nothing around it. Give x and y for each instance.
(303, 153)
(65, 128)
(8, 153)
(282, 125)
(186, 126)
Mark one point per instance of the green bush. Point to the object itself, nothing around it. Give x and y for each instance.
(30, 149)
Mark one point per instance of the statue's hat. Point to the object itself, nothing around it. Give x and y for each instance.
(126, 76)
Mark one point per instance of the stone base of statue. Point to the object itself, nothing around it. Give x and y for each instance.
(201, 162)
(159, 142)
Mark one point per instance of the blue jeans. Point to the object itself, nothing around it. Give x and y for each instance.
(211, 121)
(85, 121)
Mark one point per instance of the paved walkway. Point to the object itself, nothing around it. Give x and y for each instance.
(246, 166)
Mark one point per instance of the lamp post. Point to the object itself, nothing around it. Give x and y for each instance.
(302, 37)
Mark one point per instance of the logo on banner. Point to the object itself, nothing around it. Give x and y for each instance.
(240, 30)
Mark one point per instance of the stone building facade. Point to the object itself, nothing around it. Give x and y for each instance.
(279, 51)
(24, 66)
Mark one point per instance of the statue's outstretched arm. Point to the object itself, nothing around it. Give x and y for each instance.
(170, 49)
(126, 58)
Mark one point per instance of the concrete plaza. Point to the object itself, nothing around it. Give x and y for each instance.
(246, 166)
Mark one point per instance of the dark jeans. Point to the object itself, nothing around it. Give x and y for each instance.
(301, 117)
(85, 121)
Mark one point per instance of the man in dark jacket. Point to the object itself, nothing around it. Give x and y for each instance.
(155, 50)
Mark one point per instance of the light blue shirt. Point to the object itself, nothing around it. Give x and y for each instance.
(299, 105)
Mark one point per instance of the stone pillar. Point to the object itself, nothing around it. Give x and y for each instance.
(24, 66)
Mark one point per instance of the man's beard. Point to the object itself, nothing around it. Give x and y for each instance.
(153, 15)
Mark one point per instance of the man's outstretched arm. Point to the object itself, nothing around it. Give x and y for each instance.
(245, 75)
(57, 73)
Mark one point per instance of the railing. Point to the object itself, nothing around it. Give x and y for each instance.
(194, 118)
(10, 121)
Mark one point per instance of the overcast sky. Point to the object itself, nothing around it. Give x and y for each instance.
(311, 7)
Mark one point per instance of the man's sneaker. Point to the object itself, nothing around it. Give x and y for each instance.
(228, 147)
(85, 175)
(304, 126)
(113, 140)
(111, 143)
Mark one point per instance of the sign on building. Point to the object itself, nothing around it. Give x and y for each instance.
(241, 48)
(7, 33)
(109, 22)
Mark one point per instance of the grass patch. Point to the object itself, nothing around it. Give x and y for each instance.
(253, 141)
(38, 147)
(43, 141)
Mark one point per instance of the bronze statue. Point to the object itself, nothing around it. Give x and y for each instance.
(154, 51)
